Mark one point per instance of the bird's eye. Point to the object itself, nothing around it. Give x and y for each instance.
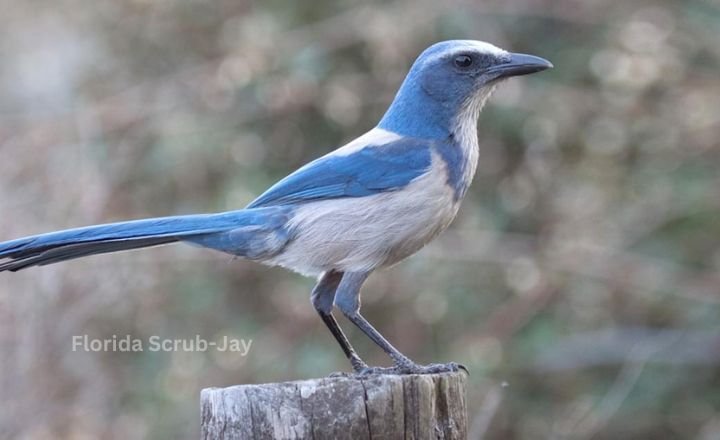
(463, 61)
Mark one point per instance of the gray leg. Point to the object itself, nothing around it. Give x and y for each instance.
(347, 299)
(322, 299)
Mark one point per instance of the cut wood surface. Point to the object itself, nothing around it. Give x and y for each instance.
(374, 407)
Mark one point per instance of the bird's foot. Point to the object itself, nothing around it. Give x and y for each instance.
(412, 368)
(372, 371)
(402, 366)
(450, 367)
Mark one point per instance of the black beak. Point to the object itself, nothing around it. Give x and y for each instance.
(519, 64)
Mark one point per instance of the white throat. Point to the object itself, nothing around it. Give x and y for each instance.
(465, 130)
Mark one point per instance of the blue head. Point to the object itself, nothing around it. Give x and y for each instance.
(449, 82)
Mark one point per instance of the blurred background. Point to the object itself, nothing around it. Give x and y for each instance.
(580, 283)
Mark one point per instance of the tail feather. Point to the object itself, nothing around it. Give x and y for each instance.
(72, 251)
(59, 246)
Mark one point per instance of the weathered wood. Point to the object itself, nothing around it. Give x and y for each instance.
(376, 407)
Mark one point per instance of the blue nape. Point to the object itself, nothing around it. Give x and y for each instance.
(415, 113)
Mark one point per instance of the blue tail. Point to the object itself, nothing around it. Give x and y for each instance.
(251, 233)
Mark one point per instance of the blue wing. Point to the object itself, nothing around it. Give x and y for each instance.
(370, 170)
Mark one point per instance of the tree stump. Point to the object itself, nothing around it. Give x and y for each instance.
(376, 407)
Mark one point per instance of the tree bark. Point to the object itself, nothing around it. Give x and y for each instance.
(376, 407)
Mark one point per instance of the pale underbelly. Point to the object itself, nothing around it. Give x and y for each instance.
(362, 234)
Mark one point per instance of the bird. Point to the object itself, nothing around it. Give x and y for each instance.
(363, 207)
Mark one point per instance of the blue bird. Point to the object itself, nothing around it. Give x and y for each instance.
(362, 207)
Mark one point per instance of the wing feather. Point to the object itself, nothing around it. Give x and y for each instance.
(362, 172)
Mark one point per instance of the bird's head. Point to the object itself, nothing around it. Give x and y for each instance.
(449, 81)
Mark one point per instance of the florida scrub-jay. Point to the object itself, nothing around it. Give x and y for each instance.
(362, 207)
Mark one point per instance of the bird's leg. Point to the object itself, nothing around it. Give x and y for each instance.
(322, 299)
(347, 299)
